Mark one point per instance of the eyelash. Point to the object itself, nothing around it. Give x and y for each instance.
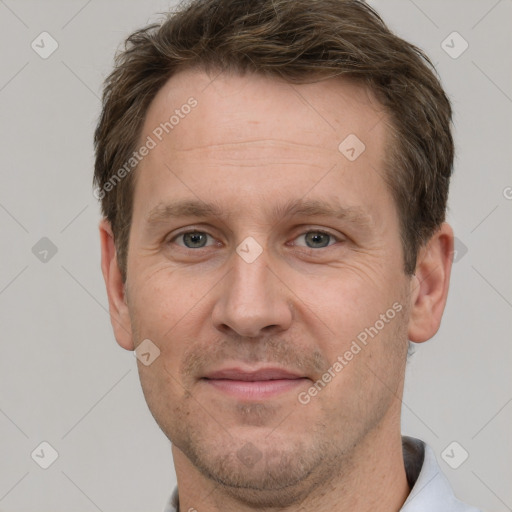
(320, 231)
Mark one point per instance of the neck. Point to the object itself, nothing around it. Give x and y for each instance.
(374, 479)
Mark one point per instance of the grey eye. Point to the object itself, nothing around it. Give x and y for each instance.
(317, 239)
(194, 240)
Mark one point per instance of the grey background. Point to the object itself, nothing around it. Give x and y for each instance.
(64, 380)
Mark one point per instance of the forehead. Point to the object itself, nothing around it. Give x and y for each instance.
(248, 134)
(233, 106)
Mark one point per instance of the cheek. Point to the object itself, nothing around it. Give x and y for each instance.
(364, 326)
(366, 380)
(166, 317)
(164, 395)
(344, 304)
(171, 309)
(161, 300)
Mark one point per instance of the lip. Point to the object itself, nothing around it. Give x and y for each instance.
(266, 373)
(256, 384)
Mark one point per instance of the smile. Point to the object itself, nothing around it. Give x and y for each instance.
(254, 385)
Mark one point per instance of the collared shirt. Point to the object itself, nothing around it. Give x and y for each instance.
(430, 489)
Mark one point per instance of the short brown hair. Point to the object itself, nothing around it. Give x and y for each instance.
(300, 41)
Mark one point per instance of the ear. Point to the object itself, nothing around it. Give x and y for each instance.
(119, 314)
(429, 287)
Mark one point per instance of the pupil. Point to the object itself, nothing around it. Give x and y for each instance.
(194, 238)
(317, 238)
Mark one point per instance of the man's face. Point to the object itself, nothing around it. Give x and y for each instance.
(269, 293)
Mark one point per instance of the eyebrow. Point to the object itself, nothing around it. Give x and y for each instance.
(194, 208)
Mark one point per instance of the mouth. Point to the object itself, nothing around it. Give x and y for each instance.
(254, 384)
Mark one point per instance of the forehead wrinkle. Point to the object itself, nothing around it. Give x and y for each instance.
(265, 162)
(226, 146)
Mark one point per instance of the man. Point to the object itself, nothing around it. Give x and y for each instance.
(273, 178)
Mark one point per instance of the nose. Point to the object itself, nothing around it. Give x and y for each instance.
(253, 300)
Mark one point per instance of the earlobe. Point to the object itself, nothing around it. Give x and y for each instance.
(118, 307)
(429, 286)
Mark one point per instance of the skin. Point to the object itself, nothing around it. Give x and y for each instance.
(253, 144)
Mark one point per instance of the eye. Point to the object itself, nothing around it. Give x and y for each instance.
(314, 239)
(317, 239)
(192, 239)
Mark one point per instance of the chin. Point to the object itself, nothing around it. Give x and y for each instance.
(263, 473)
